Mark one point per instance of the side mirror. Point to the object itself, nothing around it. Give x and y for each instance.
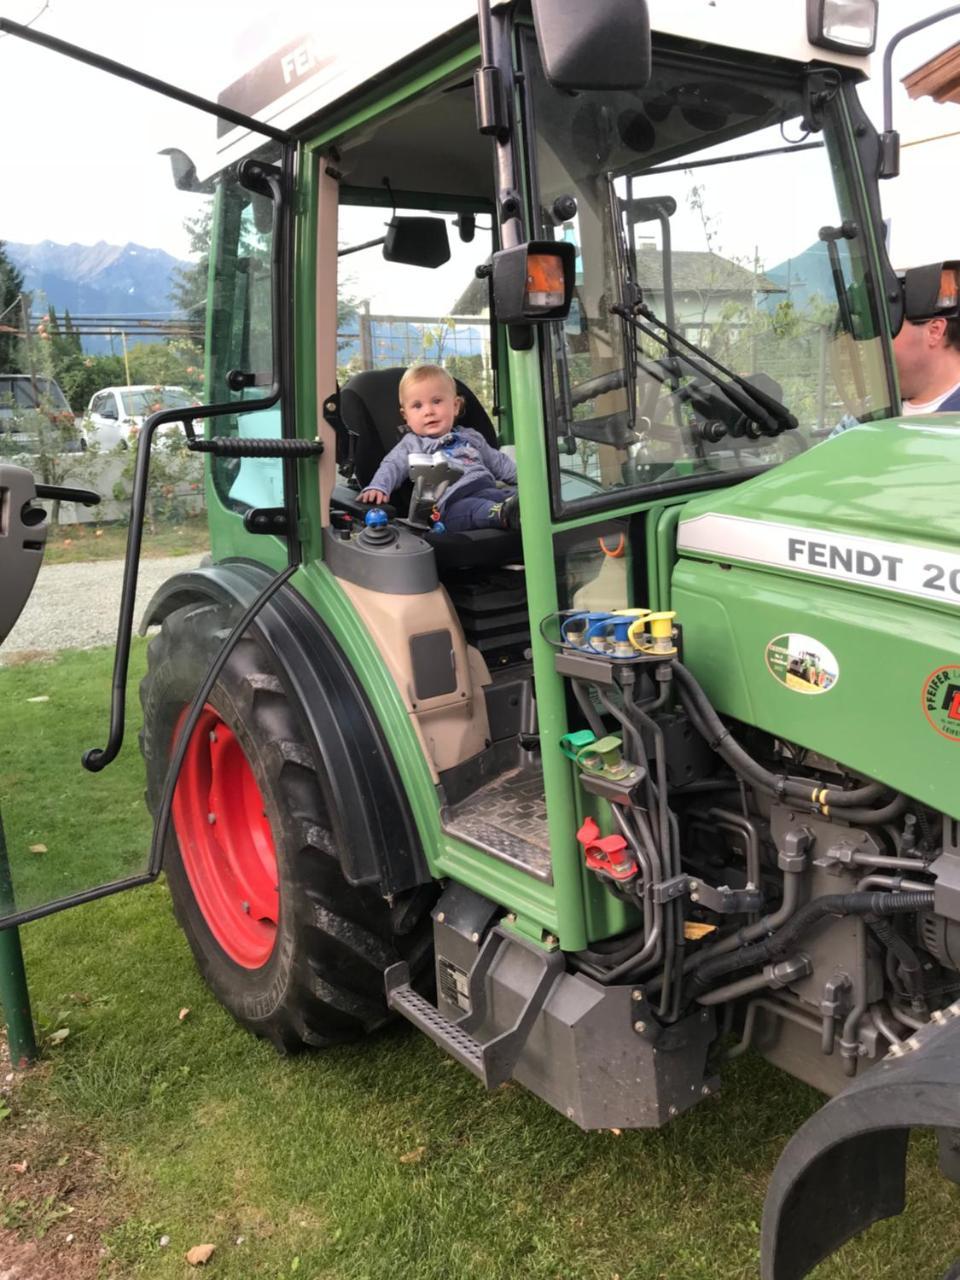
(890, 138)
(533, 282)
(601, 45)
(932, 290)
(418, 242)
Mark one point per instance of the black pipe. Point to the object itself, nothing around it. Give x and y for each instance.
(876, 817)
(699, 708)
(910, 968)
(778, 944)
(163, 87)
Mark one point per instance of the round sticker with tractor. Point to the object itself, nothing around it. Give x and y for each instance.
(802, 663)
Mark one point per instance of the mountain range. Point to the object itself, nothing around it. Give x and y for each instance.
(98, 279)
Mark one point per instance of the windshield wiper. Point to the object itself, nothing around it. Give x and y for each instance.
(768, 413)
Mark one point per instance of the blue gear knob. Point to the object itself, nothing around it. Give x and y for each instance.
(375, 519)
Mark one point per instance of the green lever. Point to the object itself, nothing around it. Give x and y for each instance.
(604, 756)
(571, 744)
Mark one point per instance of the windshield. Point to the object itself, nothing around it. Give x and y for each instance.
(704, 202)
(137, 404)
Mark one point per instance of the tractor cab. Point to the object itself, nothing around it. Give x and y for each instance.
(665, 774)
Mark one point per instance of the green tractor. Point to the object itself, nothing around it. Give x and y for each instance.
(668, 774)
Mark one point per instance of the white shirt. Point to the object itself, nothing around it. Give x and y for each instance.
(930, 406)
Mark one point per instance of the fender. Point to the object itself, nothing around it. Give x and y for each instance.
(380, 844)
(845, 1168)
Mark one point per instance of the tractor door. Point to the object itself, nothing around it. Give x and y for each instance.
(141, 303)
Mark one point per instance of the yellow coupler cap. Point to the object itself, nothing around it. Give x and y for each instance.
(661, 634)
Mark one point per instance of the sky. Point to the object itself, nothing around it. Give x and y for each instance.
(81, 149)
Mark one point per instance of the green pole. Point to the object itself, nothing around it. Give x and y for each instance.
(14, 995)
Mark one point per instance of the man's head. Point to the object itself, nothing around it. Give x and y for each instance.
(928, 357)
(428, 400)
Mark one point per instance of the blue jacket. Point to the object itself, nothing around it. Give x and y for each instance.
(465, 448)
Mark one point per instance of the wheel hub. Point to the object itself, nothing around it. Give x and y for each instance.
(226, 844)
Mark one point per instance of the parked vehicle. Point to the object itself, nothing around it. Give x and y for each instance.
(35, 417)
(115, 415)
(670, 774)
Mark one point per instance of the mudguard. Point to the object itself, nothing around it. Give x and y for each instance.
(845, 1168)
(384, 847)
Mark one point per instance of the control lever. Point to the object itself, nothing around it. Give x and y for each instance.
(23, 535)
(432, 475)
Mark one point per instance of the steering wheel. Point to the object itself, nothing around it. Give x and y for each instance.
(598, 385)
(615, 428)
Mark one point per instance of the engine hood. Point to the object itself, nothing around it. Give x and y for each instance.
(875, 508)
(821, 602)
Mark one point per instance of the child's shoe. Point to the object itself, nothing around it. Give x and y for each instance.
(510, 512)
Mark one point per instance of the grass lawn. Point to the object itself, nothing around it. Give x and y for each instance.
(67, 544)
(382, 1161)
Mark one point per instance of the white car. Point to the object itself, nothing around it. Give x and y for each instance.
(116, 414)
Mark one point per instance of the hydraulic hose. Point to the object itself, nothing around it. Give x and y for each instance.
(629, 956)
(910, 968)
(783, 941)
(876, 817)
(699, 708)
(590, 713)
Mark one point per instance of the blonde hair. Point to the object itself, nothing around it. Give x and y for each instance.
(420, 373)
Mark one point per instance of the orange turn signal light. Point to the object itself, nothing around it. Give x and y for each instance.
(544, 281)
(533, 281)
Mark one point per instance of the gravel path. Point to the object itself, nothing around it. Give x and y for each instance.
(75, 606)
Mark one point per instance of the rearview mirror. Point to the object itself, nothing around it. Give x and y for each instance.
(601, 45)
(418, 242)
(932, 290)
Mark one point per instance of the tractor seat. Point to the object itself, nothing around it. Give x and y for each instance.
(370, 407)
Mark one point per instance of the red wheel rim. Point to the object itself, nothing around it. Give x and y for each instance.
(226, 843)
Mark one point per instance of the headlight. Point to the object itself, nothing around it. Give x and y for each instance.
(849, 25)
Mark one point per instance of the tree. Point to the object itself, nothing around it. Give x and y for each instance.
(80, 377)
(188, 286)
(64, 343)
(11, 287)
(177, 363)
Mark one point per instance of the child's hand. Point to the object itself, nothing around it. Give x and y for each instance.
(374, 495)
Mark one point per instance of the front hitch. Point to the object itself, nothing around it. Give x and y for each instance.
(845, 1168)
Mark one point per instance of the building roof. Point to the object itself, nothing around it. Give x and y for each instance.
(693, 272)
(700, 272)
(939, 77)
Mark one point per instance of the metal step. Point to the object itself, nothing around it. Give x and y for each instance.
(507, 818)
(491, 1060)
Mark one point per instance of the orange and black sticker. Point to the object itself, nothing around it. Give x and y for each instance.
(941, 701)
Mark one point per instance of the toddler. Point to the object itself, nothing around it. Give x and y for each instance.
(429, 405)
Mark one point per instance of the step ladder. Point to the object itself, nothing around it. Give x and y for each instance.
(493, 1059)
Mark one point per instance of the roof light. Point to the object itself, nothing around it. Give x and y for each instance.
(848, 25)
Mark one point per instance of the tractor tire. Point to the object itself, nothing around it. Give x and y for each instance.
(283, 941)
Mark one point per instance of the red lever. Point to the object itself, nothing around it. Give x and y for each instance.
(606, 854)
